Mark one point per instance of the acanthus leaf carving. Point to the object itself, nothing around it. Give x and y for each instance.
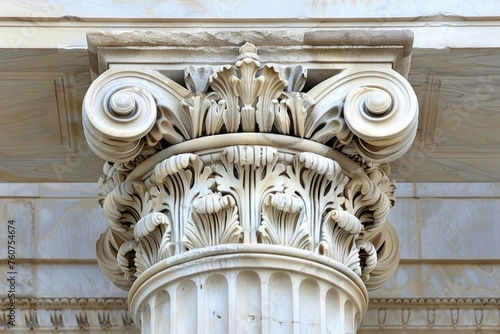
(283, 222)
(272, 87)
(108, 246)
(367, 202)
(170, 125)
(292, 112)
(197, 78)
(214, 119)
(248, 174)
(221, 82)
(126, 204)
(214, 221)
(295, 76)
(248, 87)
(206, 115)
(175, 183)
(339, 232)
(319, 182)
(126, 259)
(368, 258)
(153, 234)
(326, 124)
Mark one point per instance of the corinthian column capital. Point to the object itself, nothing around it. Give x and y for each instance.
(245, 180)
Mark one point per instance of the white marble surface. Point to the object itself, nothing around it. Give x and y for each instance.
(248, 10)
(69, 189)
(22, 212)
(465, 190)
(403, 218)
(405, 189)
(460, 228)
(24, 280)
(64, 24)
(442, 281)
(69, 228)
(9, 190)
(73, 280)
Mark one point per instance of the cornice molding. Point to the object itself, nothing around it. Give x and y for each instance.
(67, 314)
(407, 314)
(434, 302)
(68, 303)
(322, 52)
(75, 314)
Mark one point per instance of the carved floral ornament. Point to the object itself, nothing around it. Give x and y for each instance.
(243, 156)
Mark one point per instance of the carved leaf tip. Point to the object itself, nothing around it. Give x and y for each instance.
(248, 50)
(172, 166)
(148, 223)
(295, 76)
(346, 221)
(197, 78)
(284, 202)
(213, 203)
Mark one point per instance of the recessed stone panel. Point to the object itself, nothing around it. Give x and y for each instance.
(18, 190)
(73, 281)
(403, 219)
(442, 281)
(460, 228)
(17, 227)
(24, 125)
(474, 190)
(69, 228)
(69, 190)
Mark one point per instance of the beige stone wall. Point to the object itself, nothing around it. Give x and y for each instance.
(449, 277)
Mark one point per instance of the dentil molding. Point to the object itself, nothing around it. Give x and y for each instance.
(460, 315)
(251, 173)
(67, 314)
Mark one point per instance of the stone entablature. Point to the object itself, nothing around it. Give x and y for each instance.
(244, 167)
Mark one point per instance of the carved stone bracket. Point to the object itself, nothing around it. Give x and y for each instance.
(239, 163)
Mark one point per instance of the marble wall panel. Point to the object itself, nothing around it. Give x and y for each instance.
(10, 190)
(473, 190)
(405, 189)
(460, 228)
(22, 212)
(69, 228)
(69, 190)
(403, 218)
(24, 280)
(415, 280)
(74, 280)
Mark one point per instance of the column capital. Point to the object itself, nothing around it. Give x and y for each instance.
(242, 160)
